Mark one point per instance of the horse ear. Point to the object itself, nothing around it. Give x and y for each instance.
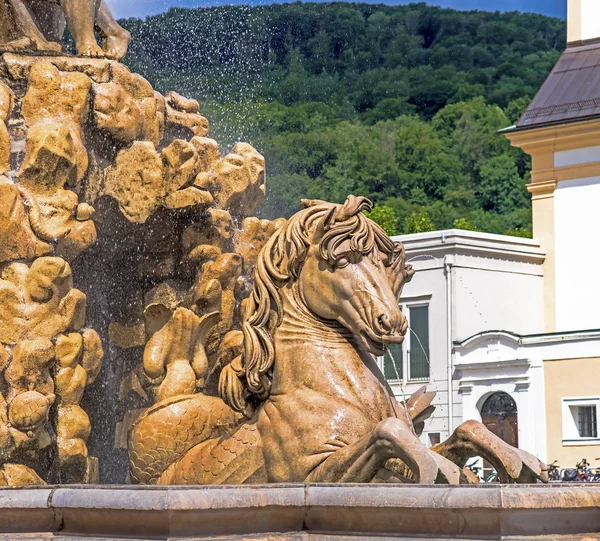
(352, 207)
(331, 217)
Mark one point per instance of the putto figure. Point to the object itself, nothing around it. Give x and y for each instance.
(38, 25)
(303, 400)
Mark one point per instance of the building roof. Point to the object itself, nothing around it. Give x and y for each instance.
(571, 91)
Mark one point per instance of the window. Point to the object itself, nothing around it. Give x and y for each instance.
(586, 422)
(434, 438)
(418, 354)
(392, 363)
(580, 420)
(412, 356)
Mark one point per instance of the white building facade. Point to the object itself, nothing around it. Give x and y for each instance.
(465, 283)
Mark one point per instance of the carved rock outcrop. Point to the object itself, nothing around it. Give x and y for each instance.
(100, 173)
(237, 181)
(44, 367)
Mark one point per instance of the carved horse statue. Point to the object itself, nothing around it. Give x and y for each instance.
(317, 408)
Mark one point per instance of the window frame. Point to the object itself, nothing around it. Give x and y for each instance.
(434, 433)
(570, 430)
(407, 345)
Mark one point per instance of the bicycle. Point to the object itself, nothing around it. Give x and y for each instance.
(492, 477)
(584, 473)
(554, 471)
(473, 467)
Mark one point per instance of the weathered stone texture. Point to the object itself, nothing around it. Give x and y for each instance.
(17, 239)
(6, 101)
(237, 181)
(38, 305)
(19, 66)
(4, 149)
(56, 95)
(136, 181)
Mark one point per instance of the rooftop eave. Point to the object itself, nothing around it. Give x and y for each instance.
(530, 127)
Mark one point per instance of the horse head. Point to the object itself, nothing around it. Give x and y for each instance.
(345, 275)
(344, 268)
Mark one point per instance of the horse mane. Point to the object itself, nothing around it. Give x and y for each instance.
(280, 261)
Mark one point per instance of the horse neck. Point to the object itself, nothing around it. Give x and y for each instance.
(299, 326)
(314, 353)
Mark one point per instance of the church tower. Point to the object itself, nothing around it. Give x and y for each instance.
(561, 132)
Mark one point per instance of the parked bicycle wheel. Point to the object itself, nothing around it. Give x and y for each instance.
(492, 478)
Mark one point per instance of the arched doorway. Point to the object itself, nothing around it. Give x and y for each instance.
(499, 415)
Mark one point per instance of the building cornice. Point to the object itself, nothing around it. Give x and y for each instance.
(437, 244)
(531, 339)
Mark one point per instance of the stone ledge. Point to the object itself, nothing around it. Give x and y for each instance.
(300, 511)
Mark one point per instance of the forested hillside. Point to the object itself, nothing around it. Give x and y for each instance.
(400, 104)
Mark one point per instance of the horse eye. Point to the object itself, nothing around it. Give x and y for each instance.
(342, 262)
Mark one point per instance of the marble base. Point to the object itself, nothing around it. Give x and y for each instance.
(301, 512)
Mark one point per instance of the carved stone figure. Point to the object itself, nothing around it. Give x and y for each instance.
(121, 184)
(38, 25)
(304, 400)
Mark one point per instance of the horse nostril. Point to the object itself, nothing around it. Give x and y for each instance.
(384, 324)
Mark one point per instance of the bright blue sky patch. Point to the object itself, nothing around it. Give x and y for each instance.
(141, 8)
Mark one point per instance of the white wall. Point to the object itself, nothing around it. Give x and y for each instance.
(497, 299)
(495, 362)
(577, 241)
(583, 20)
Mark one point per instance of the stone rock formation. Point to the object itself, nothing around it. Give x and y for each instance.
(101, 174)
(47, 360)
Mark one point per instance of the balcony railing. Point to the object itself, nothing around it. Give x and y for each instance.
(389, 372)
(418, 364)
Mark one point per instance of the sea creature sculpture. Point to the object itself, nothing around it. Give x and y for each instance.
(303, 400)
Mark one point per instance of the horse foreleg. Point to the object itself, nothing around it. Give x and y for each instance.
(115, 38)
(391, 438)
(473, 439)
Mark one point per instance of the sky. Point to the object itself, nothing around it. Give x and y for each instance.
(142, 8)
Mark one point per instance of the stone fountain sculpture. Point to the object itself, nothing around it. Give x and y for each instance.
(300, 398)
(236, 350)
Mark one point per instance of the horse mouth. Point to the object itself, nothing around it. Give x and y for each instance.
(378, 344)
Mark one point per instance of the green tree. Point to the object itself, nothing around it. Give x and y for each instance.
(501, 187)
(522, 232)
(418, 222)
(464, 223)
(398, 103)
(385, 217)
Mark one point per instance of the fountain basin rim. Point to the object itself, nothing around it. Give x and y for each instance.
(357, 510)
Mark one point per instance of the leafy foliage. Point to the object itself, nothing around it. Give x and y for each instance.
(385, 217)
(398, 103)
